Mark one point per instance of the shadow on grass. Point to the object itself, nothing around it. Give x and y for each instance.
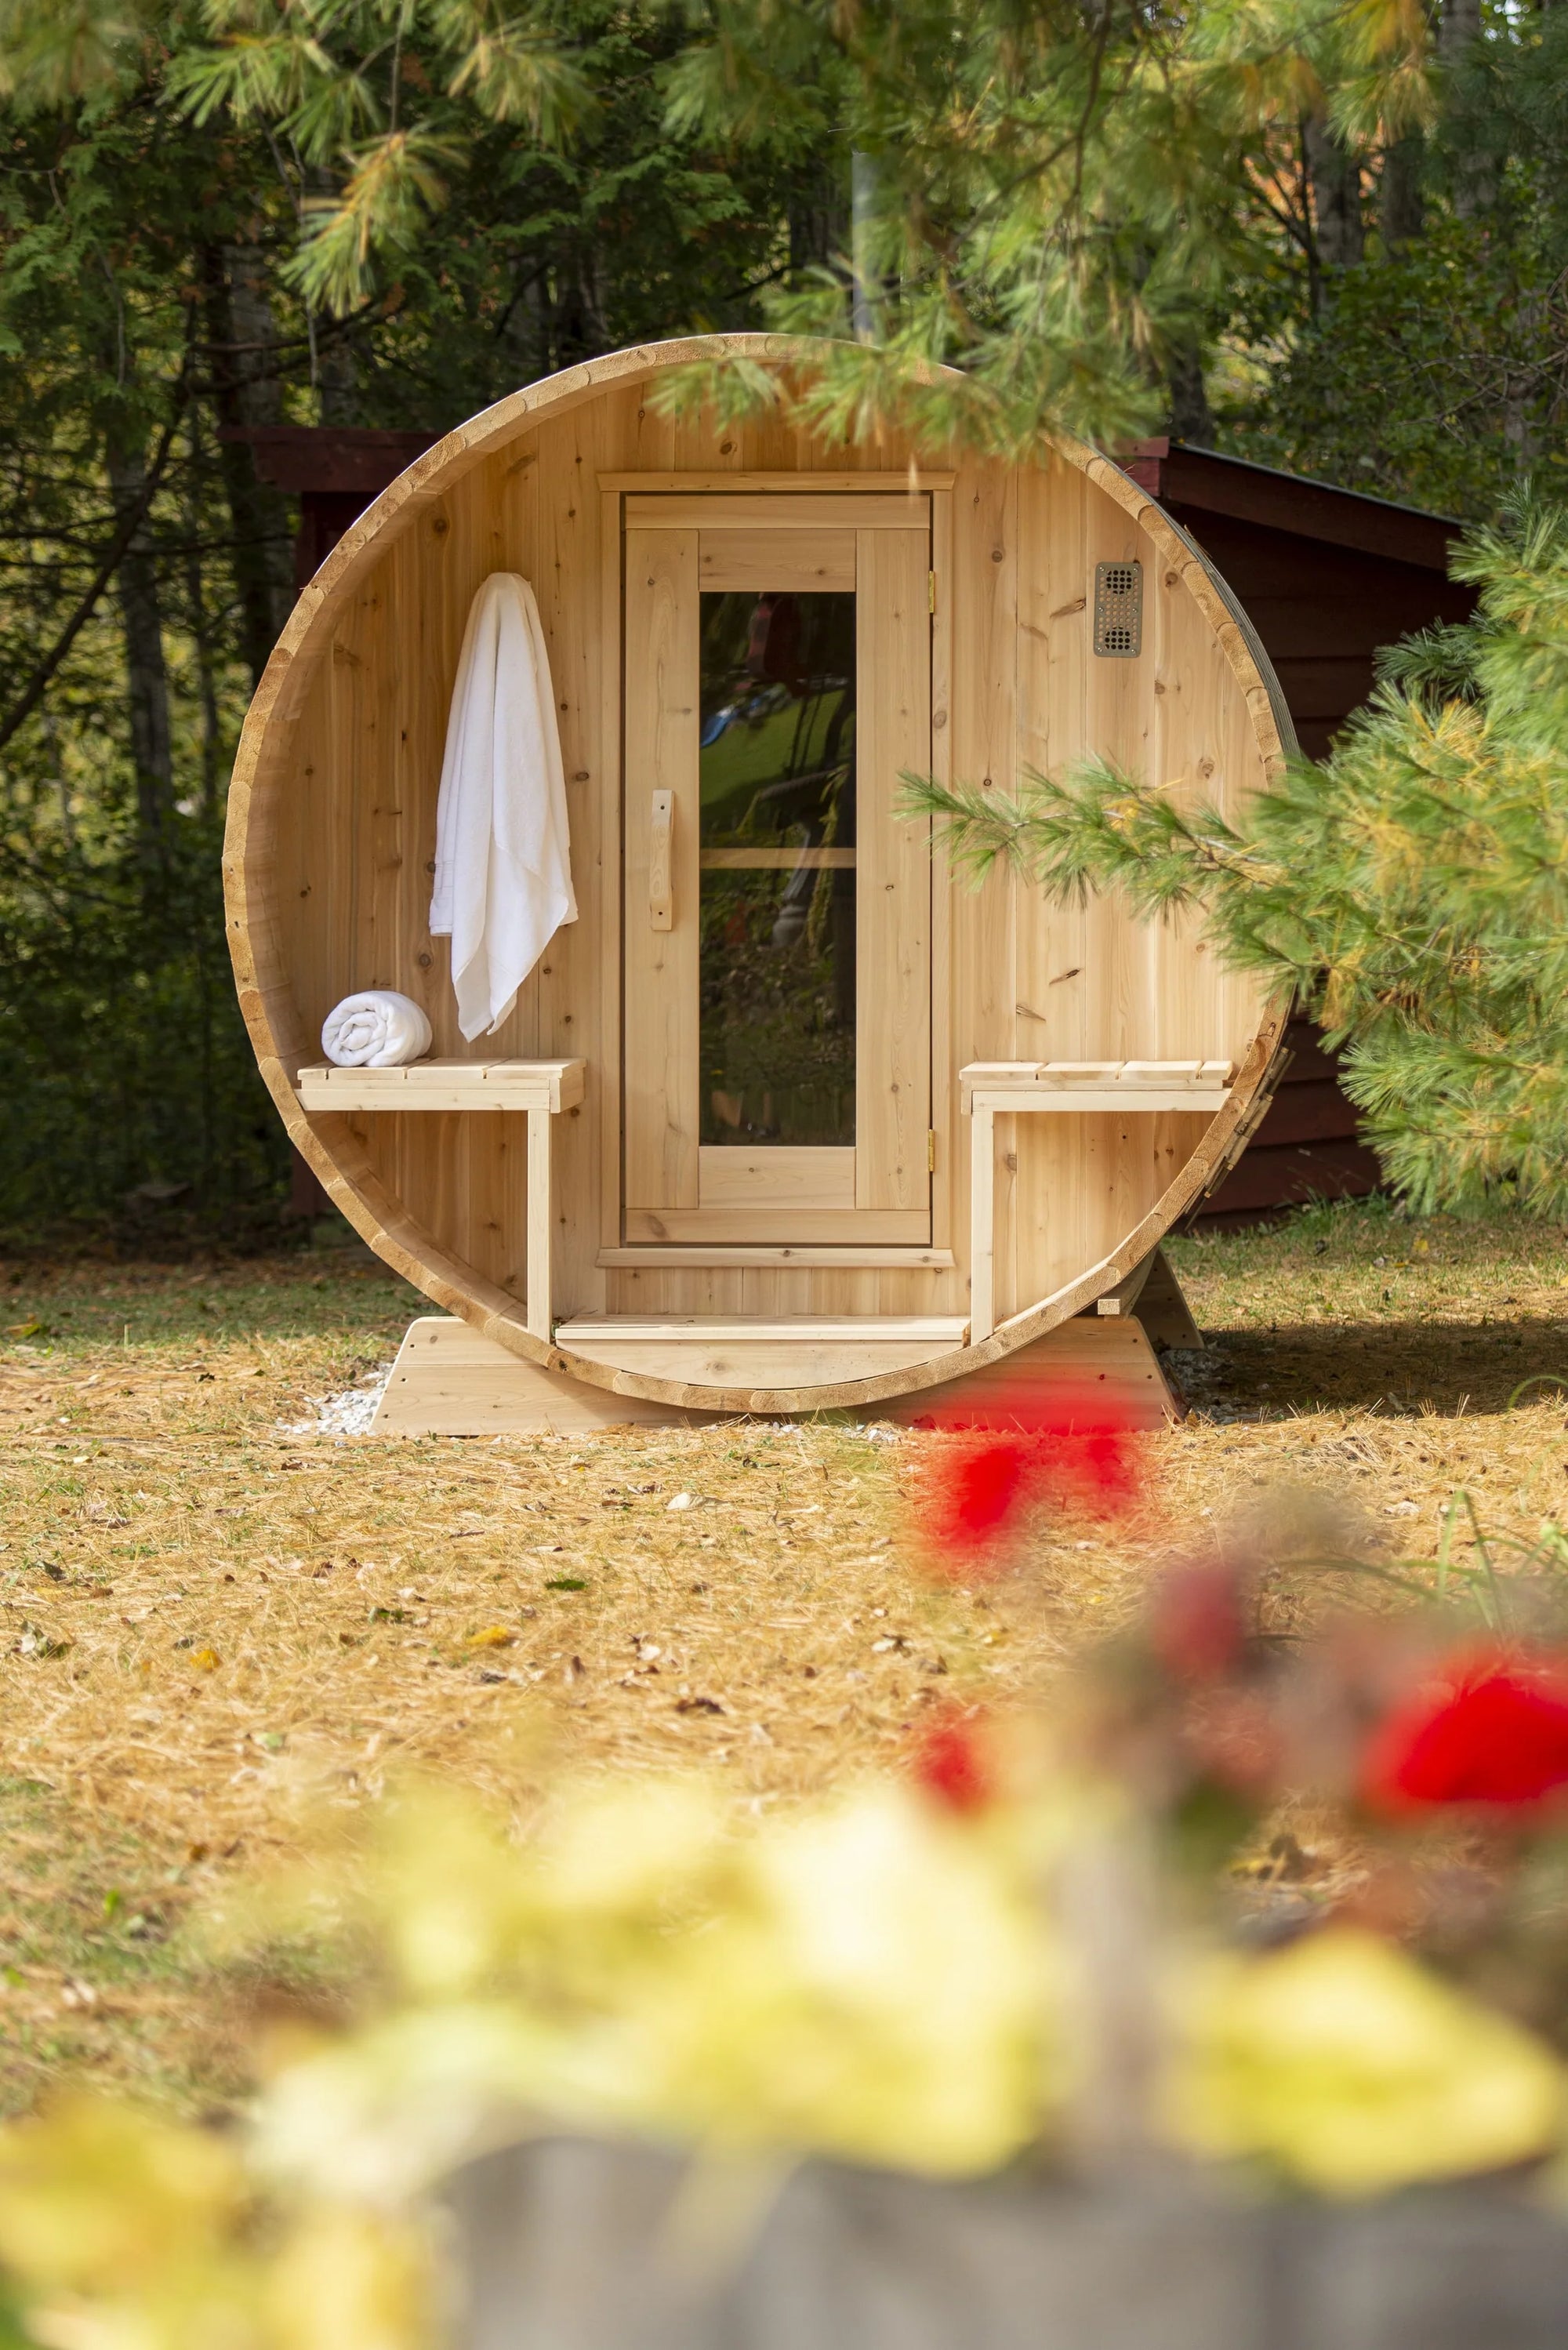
(1447, 1365)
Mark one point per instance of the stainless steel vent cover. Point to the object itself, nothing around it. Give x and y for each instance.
(1118, 610)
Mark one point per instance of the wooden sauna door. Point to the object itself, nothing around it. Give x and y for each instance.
(777, 951)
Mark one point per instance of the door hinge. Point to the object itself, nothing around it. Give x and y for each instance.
(931, 1150)
(931, 589)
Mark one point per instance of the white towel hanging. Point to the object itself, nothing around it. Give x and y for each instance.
(503, 868)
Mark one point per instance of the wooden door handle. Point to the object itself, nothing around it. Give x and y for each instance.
(660, 866)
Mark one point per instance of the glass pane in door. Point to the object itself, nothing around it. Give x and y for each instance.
(777, 866)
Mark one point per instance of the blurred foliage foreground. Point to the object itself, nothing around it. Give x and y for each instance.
(1051, 1945)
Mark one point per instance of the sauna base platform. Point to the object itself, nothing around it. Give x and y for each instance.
(450, 1380)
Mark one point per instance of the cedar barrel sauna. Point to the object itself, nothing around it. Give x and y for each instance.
(788, 1118)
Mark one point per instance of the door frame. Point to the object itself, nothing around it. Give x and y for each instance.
(613, 490)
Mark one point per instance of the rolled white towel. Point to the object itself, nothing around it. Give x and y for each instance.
(377, 1030)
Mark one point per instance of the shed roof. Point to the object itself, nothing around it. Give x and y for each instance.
(1179, 473)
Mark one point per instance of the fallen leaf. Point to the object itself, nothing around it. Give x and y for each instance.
(35, 1642)
(698, 1705)
(207, 1660)
(682, 1501)
(494, 1636)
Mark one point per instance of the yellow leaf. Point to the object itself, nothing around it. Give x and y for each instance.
(98, 2198)
(494, 1636)
(354, 2278)
(1350, 2067)
(207, 1660)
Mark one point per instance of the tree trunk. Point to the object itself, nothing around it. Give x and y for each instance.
(338, 378)
(819, 229)
(1459, 28)
(334, 364)
(1401, 210)
(151, 742)
(1191, 418)
(1335, 174)
(241, 329)
(199, 623)
(578, 329)
(1458, 25)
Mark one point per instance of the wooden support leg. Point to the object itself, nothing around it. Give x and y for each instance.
(982, 1227)
(1163, 1310)
(540, 1235)
(1085, 1363)
(449, 1380)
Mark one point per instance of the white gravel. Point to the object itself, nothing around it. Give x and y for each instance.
(348, 1414)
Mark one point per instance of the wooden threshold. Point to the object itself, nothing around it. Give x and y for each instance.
(732, 1351)
(800, 1329)
(781, 1252)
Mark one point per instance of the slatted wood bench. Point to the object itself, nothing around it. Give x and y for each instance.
(542, 1089)
(1011, 1089)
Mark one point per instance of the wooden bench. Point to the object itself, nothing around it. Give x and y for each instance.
(1067, 1087)
(542, 1089)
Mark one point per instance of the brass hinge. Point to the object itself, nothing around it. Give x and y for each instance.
(931, 585)
(931, 1150)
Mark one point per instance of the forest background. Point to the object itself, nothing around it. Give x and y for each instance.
(1329, 237)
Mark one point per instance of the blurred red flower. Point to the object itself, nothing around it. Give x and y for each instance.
(1197, 1623)
(1492, 1730)
(1020, 1450)
(977, 1490)
(951, 1765)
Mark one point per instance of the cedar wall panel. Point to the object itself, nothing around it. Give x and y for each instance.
(1090, 981)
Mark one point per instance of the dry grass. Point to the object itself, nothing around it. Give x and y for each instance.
(211, 1628)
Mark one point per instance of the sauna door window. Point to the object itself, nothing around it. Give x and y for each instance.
(777, 910)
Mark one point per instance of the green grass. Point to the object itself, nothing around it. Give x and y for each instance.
(95, 1977)
(343, 1297)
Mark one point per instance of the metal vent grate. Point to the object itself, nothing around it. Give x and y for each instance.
(1118, 610)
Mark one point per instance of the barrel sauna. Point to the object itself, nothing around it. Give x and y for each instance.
(789, 1116)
